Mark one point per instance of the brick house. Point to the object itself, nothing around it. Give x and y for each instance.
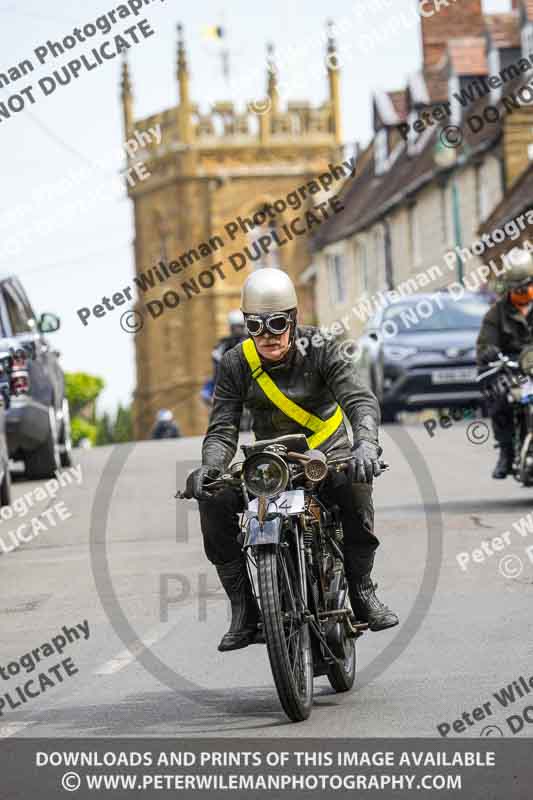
(446, 150)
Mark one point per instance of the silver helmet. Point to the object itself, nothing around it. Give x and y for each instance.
(519, 270)
(267, 290)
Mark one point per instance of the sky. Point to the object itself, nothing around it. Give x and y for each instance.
(66, 224)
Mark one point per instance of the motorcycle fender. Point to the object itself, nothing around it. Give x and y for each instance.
(267, 533)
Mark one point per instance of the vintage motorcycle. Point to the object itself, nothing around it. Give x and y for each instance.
(293, 543)
(512, 379)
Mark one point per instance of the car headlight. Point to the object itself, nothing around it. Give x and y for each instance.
(265, 475)
(398, 353)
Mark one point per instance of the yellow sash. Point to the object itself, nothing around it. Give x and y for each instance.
(322, 429)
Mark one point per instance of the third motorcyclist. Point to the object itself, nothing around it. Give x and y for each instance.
(507, 328)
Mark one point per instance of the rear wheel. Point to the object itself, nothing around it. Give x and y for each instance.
(287, 637)
(341, 675)
(45, 460)
(5, 487)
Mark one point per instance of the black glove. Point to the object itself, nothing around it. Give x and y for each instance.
(365, 462)
(194, 486)
(490, 353)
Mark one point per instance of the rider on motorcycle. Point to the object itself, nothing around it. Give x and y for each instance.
(507, 328)
(237, 334)
(270, 374)
(165, 426)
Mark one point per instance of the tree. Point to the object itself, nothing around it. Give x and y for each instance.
(81, 390)
(123, 427)
(105, 430)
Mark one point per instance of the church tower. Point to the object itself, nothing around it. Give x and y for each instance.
(208, 170)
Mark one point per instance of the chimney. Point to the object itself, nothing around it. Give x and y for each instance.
(450, 22)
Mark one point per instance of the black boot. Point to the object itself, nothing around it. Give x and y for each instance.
(367, 607)
(504, 464)
(244, 609)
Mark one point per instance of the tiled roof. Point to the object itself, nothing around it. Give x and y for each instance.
(467, 55)
(517, 200)
(504, 29)
(367, 198)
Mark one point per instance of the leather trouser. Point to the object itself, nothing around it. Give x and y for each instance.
(220, 527)
(501, 415)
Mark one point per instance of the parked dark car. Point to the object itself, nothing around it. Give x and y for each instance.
(6, 363)
(37, 419)
(419, 352)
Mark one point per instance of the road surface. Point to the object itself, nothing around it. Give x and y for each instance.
(129, 563)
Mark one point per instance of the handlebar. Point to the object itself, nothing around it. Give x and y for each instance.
(211, 485)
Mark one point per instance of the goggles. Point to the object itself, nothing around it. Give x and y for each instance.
(276, 323)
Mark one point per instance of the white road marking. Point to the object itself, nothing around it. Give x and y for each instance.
(13, 728)
(126, 657)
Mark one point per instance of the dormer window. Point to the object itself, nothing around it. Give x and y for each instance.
(412, 135)
(381, 151)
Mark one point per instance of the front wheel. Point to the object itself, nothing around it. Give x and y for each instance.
(44, 461)
(287, 636)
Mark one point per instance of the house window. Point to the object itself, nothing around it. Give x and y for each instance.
(362, 263)
(414, 235)
(444, 217)
(336, 279)
(381, 151)
(379, 253)
(527, 39)
(483, 200)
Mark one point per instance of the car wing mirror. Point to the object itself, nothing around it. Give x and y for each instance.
(48, 323)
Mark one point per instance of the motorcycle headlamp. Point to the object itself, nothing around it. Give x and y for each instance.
(265, 475)
(526, 361)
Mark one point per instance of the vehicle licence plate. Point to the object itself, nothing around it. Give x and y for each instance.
(286, 503)
(458, 375)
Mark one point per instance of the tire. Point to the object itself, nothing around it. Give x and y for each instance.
(5, 487)
(43, 462)
(342, 675)
(297, 700)
(65, 439)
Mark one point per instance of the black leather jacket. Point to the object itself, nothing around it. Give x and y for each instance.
(317, 382)
(504, 328)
